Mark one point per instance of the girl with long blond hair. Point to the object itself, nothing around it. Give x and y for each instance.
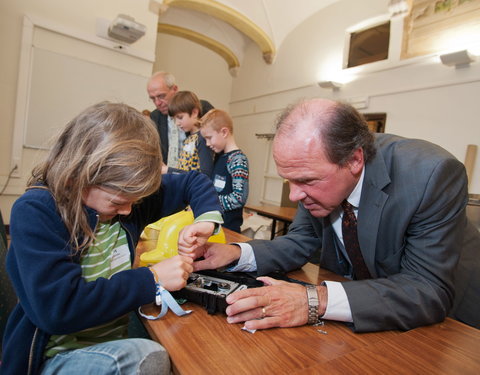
(73, 239)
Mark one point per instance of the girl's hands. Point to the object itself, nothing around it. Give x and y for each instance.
(194, 236)
(173, 272)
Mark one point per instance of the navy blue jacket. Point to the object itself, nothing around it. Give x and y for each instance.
(53, 296)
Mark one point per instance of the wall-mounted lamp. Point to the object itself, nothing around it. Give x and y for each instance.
(267, 136)
(330, 85)
(459, 59)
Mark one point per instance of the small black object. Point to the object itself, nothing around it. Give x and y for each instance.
(211, 288)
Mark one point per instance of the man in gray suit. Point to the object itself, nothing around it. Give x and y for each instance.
(161, 88)
(422, 257)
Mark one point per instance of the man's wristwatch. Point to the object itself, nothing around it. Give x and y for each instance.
(312, 296)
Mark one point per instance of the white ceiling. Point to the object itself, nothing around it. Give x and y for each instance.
(233, 24)
(277, 17)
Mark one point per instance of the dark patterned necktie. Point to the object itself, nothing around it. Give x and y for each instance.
(350, 241)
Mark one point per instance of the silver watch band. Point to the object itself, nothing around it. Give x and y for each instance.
(312, 296)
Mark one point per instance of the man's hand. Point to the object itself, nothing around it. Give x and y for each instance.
(278, 304)
(173, 272)
(193, 236)
(216, 255)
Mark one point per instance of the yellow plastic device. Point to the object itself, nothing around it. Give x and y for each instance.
(162, 237)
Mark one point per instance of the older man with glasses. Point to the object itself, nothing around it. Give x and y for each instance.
(161, 88)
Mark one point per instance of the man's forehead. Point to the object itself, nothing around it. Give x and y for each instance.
(157, 84)
(297, 141)
(308, 117)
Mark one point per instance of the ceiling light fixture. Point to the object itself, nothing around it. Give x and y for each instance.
(330, 85)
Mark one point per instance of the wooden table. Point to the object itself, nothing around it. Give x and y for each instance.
(283, 214)
(206, 344)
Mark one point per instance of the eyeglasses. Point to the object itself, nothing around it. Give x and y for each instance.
(158, 97)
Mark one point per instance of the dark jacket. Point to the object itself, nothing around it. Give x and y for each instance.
(54, 298)
(422, 253)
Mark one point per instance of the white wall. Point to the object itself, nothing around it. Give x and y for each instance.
(195, 68)
(422, 100)
(77, 18)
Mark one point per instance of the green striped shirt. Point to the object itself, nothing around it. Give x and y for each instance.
(107, 255)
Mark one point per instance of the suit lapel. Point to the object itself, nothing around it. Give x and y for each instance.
(164, 127)
(372, 201)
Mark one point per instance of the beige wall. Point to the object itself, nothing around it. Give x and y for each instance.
(76, 19)
(422, 98)
(195, 68)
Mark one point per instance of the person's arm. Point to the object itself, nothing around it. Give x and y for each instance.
(238, 169)
(282, 254)
(172, 170)
(278, 304)
(293, 250)
(54, 295)
(284, 303)
(419, 287)
(195, 235)
(205, 156)
(206, 106)
(415, 285)
(177, 191)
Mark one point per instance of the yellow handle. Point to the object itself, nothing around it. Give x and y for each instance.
(167, 230)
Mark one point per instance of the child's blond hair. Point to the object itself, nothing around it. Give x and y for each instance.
(107, 145)
(217, 119)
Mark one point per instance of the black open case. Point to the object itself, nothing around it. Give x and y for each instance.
(210, 288)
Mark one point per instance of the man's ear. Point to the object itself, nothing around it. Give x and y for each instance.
(356, 162)
(195, 113)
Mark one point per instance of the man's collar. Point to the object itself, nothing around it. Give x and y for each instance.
(354, 197)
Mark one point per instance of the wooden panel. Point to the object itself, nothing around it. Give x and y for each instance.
(376, 121)
(434, 26)
(470, 158)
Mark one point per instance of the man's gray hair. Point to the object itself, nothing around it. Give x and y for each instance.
(167, 77)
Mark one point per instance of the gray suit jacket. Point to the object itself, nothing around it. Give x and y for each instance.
(412, 230)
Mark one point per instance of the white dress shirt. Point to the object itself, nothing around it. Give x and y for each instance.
(176, 136)
(338, 307)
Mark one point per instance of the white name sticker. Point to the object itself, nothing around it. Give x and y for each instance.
(219, 182)
(189, 148)
(120, 256)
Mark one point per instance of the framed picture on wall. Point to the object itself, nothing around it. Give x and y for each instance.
(376, 121)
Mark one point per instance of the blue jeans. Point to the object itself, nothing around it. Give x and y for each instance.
(122, 357)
